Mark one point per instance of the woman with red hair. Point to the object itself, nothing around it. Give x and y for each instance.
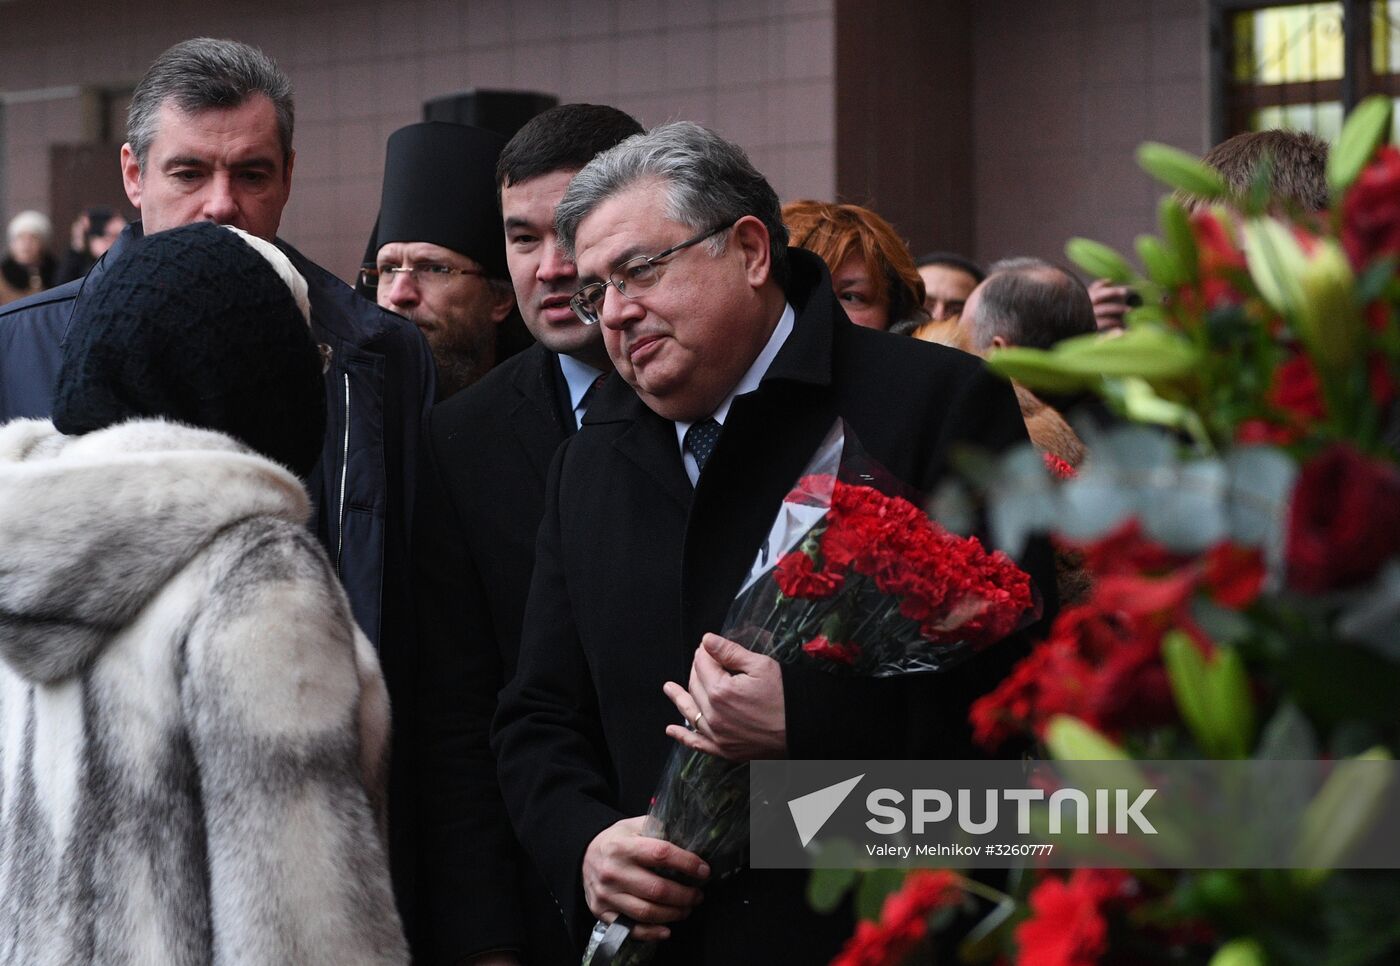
(871, 268)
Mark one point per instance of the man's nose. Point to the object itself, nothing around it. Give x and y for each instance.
(402, 290)
(618, 310)
(220, 205)
(553, 265)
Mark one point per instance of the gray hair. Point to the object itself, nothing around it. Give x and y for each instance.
(1031, 302)
(709, 182)
(204, 74)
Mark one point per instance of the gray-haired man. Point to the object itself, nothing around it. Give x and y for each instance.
(209, 137)
(712, 322)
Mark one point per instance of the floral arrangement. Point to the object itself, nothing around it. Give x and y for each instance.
(1242, 535)
(860, 582)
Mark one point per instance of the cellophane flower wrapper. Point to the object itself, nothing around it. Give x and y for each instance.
(853, 579)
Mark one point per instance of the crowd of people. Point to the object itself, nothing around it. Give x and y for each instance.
(356, 628)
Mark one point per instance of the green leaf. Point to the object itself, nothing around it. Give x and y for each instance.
(1213, 695)
(1364, 129)
(1038, 369)
(875, 886)
(1330, 322)
(1288, 737)
(1177, 169)
(1162, 265)
(1070, 739)
(1175, 226)
(827, 887)
(1375, 280)
(1099, 260)
(1276, 263)
(1145, 351)
(1142, 405)
(1239, 952)
(1345, 809)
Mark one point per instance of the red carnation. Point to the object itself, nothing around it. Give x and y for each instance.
(1059, 469)
(1371, 210)
(823, 647)
(1344, 520)
(1067, 925)
(797, 576)
(903, 920)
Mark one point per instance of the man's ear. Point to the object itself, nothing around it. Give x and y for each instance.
(999, 342)
(131, 176)
(502, 301)
(750, 237)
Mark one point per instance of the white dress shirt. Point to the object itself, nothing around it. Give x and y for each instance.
(748, 383)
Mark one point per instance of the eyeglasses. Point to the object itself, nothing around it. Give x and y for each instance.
(634, 275)
(431, 275)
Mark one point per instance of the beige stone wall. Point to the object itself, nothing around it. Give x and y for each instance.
(759, 71)
(1064, 91)
(1051, 102)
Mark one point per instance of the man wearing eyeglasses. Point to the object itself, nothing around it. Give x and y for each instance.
(735, 359)
(441, 261)
(490, 448)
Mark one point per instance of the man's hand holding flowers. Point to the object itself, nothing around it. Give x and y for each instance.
(623, 874)
(734, 703)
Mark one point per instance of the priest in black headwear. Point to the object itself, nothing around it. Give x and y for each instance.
(440, 257)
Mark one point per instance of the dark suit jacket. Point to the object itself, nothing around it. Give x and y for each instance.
(633, 566)
(489, 449)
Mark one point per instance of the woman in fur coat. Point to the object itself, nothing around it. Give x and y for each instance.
(192, 728)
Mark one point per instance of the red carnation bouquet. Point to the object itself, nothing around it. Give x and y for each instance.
(853, 579)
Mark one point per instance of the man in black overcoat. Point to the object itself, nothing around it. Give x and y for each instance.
(649, 529)
(489, 452)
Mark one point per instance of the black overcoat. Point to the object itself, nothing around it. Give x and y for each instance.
(633, 566)
(489, 450)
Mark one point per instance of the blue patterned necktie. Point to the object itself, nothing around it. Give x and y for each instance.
(700, 440)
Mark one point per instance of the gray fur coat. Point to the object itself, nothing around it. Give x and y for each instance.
(192, 729)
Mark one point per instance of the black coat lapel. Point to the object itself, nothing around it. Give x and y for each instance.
(650, 443)
(534, 417)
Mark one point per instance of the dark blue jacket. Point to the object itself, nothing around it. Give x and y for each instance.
(379, 388)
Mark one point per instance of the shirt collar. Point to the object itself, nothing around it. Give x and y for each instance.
(579, 376)
(747, 383)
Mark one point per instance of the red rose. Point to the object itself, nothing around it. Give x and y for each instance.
(1371, 210)
(1257, 432)
(1382, 380)
(1297, 392)
(1221, 262)
(1344, 520)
